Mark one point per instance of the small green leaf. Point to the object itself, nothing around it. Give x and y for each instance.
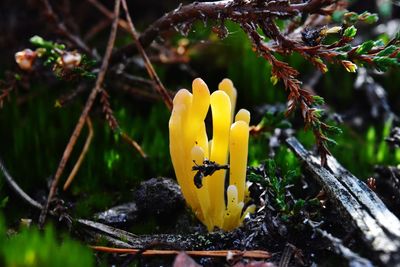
(351, 17)
(40, 42)
(368, 17)
(330, 141)
(334, 130)
(383, 63)
(371, 19)
(350, 32)
(379, 42)
(345, 48)
(37, 40)
(318, 100)
(387, 51)
(365, 47)
(318, 113)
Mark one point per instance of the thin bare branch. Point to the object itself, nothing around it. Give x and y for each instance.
(122, 23)
(257, 254)
(14, 186)
(149, 67)
(81, 156)
(89, 103)
(62, 28)
(132, 142)
(98, 27)
(229, 10)
(114, 125)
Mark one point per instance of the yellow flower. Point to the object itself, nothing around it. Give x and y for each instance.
(189, 146)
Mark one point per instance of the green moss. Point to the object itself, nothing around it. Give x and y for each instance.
(36, 135)
(31, 248)
(359, 152)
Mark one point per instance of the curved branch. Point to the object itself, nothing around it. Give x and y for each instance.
(234, 10)
(18, 190)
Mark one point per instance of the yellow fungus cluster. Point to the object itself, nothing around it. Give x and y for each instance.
(189, 145)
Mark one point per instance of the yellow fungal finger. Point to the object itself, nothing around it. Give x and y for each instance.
(189, 146)
(232, 200)
(177, 150)
(183, 97)
(226, 85)
(238, 146)
(233, 209)
(195, 131)
(197, 155)
(201, 99)
(234, 220)
(243, 115)
(221, 112)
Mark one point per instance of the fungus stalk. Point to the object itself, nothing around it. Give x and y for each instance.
(189, 147)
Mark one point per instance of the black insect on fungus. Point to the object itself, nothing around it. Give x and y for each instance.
(206, 169)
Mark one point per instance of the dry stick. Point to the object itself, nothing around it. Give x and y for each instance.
(132, 142)
(114, 125)
(82, 155)
(96, 29)
(84, 114)
(122, 23)
(149, 67)
(63, 29)
(10, 181)
(227, 9)
(259, 254)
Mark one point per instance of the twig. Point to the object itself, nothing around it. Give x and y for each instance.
(297, 97)
(93, 31)
(237, 11)
(259, 254)
(229, 10)
(132, 142)
(63, 29)
(81, 156)
(10, 181)
(149, 67)
(122, 23)
(85, 112)
(114, 125)
(70, 96)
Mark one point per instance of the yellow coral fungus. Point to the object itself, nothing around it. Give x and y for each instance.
(201, 165)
